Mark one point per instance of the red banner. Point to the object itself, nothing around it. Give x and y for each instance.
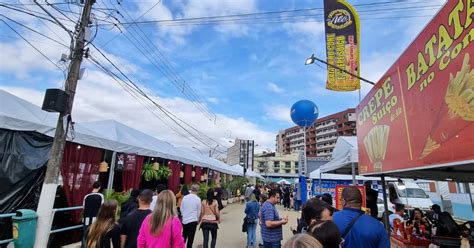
(421, 112)
(339, 189)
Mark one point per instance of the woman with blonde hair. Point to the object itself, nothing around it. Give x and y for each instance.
(302, 241)
(162, 228)
(104, 232)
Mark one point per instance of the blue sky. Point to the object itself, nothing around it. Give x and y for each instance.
(249, 75)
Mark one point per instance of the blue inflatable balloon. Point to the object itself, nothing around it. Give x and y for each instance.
(304, 113)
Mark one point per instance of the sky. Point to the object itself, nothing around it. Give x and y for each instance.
(225, 79)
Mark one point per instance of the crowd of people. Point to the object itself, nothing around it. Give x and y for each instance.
(152, 219)
(321, 225)
(163, 219)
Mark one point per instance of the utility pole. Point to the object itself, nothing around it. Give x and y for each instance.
(48, 191)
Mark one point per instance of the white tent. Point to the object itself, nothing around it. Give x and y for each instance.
(331, 176)
(344, 156)
(21, 115)
(283, 181)
(239, 171)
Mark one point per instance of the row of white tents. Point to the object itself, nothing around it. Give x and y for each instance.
(20, 115)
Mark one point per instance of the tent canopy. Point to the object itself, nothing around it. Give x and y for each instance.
(283, 181)
(18, 114)
(331, 176)
(239, 171)
(344, 154)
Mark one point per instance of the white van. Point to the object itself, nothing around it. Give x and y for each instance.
(408, 194)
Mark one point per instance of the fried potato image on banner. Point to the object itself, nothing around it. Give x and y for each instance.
(457, 113)
(376, 145)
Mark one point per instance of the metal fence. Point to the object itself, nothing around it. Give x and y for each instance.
(6, 241)
(55, 210)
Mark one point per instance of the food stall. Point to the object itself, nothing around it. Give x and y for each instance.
(418, 120)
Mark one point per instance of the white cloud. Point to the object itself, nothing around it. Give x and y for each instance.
(100, 98)
(213, 100)
(275, 88)
(278, 112)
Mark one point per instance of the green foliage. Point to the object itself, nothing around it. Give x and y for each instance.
(203, 191)
(163, 173)
(150, 174)
(237, 183)
(120, 197)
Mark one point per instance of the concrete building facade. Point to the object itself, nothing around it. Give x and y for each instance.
(241, 151)
(321, 137)
(276, 165)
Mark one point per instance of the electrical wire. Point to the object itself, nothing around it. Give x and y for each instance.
(298, 13)
(134, 21)
(166, 68)
(132, 91)
(33, 46)
(32, 30)
(169, 114)
(136, 94)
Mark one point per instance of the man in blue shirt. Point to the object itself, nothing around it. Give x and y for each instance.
(358, 229)
(270, 221)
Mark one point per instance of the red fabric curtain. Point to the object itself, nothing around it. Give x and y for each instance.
(79, 170)
(197, 171)
(188, 174)
(173, 180)
(131, 178)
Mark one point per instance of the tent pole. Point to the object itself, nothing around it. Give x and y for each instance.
(110, 182)
(320, 182)
(385, 205)
(353, 174)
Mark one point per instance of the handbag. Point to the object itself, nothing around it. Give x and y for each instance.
(244, 226)
(248, 220)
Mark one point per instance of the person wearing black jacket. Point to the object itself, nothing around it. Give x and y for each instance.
(218, 194)
(257, 192)
(130, 205)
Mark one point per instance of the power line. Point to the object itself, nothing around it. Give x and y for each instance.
(29, 43)
(136, 93)
(32, 30)
(134, 21)
(169, 114)
(33, 13)
(166, 68)
(298, 13)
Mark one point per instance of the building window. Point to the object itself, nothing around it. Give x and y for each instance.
(287, 164)
(287, 171)
(276, 164)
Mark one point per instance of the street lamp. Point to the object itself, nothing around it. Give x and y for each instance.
(198, 150)
(312, 59)
(211, 151)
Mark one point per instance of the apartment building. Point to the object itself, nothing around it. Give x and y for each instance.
(321, 137)
(276, 165)
(240, 152)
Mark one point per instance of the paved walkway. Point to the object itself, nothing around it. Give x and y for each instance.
(230, 233)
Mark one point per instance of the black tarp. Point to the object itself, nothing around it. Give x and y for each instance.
(23, 157)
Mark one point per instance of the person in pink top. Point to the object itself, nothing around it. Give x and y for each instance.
(162, 228)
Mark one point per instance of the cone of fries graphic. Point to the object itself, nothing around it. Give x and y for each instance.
(457, 111)
(376, 145)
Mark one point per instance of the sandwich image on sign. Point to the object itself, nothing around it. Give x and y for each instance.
(457, 111)
(376, 145)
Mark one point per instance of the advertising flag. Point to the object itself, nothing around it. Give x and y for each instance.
(341, 23)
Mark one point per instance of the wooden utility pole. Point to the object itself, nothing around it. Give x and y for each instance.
(48, 191)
